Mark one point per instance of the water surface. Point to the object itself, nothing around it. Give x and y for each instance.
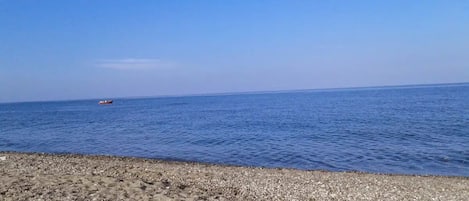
(408, 130)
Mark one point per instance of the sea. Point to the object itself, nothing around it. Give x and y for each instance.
(416, 130)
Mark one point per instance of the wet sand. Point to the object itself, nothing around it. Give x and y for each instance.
(32, 176)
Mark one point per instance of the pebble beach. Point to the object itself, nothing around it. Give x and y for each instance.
(37, 176)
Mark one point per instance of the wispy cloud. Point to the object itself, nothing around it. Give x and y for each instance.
(133, 64)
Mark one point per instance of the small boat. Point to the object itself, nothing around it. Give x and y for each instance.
(105, 102)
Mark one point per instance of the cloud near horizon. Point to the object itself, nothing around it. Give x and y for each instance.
(133, 64)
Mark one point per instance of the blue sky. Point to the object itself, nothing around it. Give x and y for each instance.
(77, 49)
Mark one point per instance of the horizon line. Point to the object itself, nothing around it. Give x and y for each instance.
(251, 92)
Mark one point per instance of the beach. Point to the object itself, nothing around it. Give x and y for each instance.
(36, 176)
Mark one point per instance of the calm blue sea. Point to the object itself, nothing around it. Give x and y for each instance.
(408, 130)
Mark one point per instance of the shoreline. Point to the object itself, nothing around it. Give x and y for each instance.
(26, 176)
(221, 165)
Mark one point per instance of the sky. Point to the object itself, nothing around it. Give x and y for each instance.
(79, 49)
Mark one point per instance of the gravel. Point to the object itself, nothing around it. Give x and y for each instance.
(35, 176)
